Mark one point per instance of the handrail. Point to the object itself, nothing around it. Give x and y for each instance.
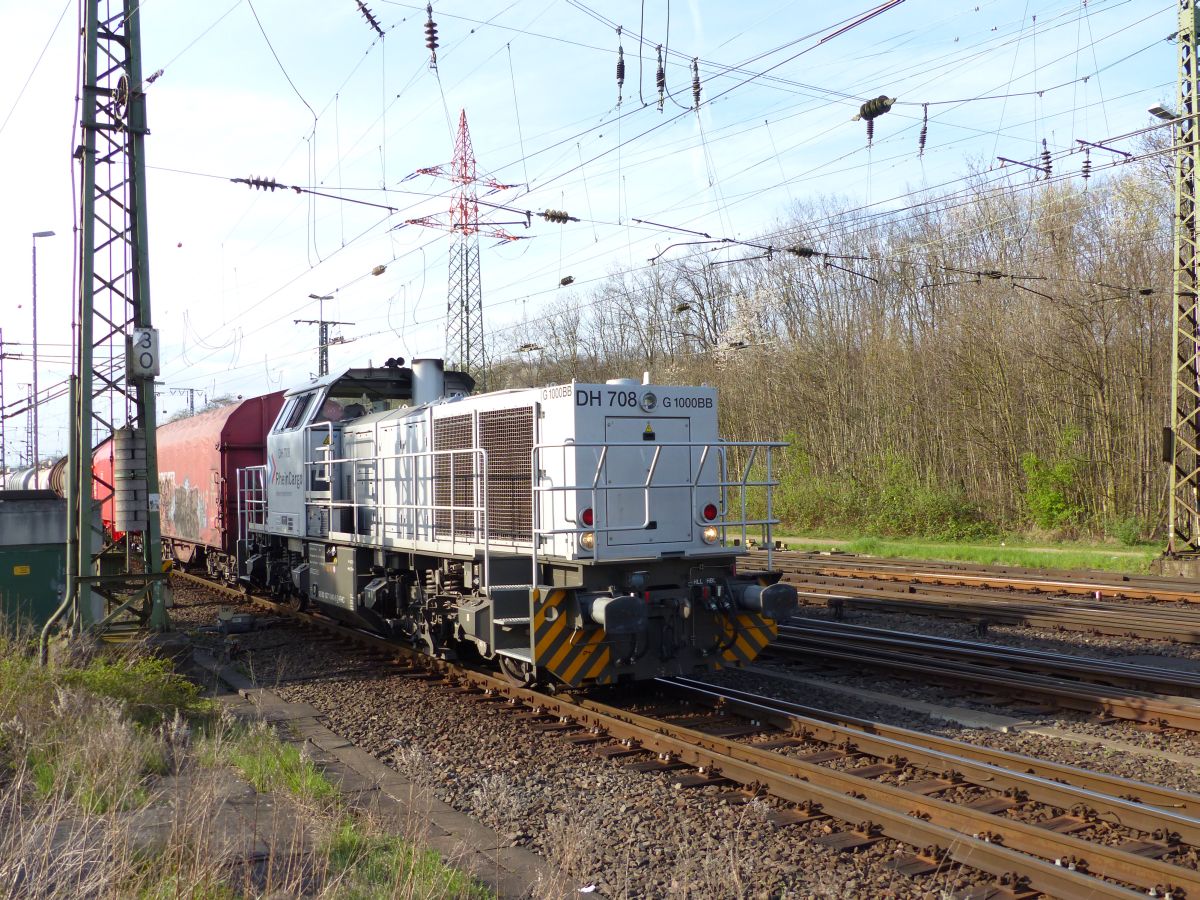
(594, 487)
(413, 479)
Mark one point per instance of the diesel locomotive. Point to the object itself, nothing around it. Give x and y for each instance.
(580, 534)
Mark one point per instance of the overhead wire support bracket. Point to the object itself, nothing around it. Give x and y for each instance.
(1016, 162)
(1100, 146)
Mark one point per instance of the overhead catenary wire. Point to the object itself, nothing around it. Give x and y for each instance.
(523, 156)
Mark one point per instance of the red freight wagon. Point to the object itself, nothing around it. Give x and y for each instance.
(198, 459)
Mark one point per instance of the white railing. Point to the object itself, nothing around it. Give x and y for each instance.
(711, 454)
(251, 499)
(398, 495)
(414, 482)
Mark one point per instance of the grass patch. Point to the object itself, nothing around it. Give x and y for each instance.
(147, 688)
(379, 867)
(170, 886)
(267, 762)
(362, 863)
(84, 740)
(1127, 560)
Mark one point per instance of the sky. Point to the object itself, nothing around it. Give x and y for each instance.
(307, 93)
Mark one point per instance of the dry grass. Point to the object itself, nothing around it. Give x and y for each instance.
(115, 783)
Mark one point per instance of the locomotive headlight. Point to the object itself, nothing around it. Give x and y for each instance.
(587, 540)
(710, 534)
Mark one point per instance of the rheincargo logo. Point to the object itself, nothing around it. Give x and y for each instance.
(285, 479)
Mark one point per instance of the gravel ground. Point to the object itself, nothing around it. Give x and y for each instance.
(633, 834)
(629, 834)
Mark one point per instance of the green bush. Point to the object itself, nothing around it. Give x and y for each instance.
(1129, 531)
(1051, 488)
(886, 495)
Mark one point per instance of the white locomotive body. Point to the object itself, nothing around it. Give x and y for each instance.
(582, 533)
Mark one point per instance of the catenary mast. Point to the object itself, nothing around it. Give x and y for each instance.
(116, 349)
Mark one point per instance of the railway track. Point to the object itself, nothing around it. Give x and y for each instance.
(1141, 694)
(914, 571)
(1034, 827)
(985, 605)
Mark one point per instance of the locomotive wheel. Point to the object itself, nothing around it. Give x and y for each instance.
(515, 671)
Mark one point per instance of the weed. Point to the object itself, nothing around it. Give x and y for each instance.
(147, 687)
(268, 763)
(372, 866)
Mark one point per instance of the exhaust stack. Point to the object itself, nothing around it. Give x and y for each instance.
(428, 381)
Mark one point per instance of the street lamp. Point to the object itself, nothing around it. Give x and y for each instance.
(1161, 112)
(36, 235)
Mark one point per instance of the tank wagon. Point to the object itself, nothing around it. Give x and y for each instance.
(580, 534)
(198, 460)
(45, 477)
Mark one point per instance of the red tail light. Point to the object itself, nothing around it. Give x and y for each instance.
(586, 517)
(710, 512)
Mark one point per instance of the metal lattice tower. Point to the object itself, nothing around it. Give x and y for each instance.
(464, 294)
(117, 350)
(1184, 504)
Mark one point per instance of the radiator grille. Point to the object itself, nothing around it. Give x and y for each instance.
(454, 476)
(507, 436)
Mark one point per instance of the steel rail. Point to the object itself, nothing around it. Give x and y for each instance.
(1134, 706)
(1094, 617)
(1097, 671)
(1065, 787)
(924, 572)
(792, 779)
(999, 613)
(1090, 577)
(978, 840)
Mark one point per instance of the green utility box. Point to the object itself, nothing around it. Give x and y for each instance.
(33, 555)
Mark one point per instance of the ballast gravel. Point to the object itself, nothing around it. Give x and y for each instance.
(628, 834)
(635, 835)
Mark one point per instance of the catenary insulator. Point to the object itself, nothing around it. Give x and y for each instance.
(558, 216)
(257, 182)
(660, 79)
(871, 110)
(924, 131)
(802, 252)
(620, 73)
(1087, 164)
(696, 82)
(1045, 158)
(431, 40)
(875, 108)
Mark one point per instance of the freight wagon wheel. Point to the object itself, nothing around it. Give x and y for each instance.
(515, 671)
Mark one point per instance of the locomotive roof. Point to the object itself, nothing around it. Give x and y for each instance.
(395, 381)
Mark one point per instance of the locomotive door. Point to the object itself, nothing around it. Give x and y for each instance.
(670, 507)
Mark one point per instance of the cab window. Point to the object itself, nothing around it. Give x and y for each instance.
(296, 414)
(284, 414)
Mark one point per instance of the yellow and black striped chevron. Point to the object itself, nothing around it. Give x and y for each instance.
(569, 653)
(746, 634)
